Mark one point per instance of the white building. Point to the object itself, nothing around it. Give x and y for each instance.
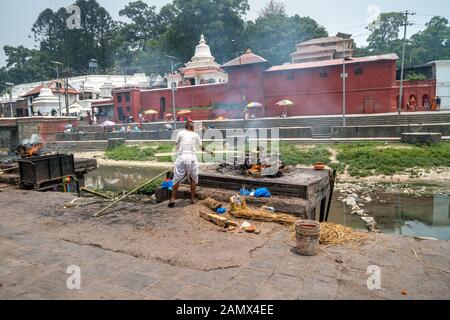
(46, 102)
(202, 69)
(441, 70)
(90, 88)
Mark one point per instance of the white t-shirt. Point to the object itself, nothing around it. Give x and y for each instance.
(187, 142)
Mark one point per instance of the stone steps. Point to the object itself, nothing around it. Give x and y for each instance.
(326, 121)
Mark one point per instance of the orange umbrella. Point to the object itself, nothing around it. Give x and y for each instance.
(151, 112)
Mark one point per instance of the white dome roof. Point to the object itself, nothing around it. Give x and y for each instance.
(202, 57)
(202, 51)
(46, 93)
(46, 101)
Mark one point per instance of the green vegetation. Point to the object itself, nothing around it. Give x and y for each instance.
(146, 152)
(151, 187)
(292, 154)
(365, 159)
(360, 159)
(416, 76)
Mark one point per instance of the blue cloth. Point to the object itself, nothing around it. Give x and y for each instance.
(221, 211)
(244, 192)
(262, 193)
(167, 185)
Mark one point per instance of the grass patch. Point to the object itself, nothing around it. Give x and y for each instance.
(151, 187)
(371, 158)
(292, 154)
(144, 152)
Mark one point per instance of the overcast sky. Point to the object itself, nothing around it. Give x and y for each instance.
(350, 16)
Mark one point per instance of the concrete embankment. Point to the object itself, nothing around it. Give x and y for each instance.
(149, 251)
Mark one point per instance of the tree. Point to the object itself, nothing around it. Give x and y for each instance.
(432, 43)
(145, 22)
(385, 30)
(424, 46)
(75, 47)
(273, 8)
(274, 34)
(221, 21)
(23, 65)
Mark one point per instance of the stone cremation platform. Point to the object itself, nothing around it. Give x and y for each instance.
(299, 191)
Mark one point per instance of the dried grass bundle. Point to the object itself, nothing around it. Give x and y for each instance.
(262, 215)
(336, 234)
(330, 233)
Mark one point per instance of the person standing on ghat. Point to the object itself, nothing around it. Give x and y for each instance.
(186, 165)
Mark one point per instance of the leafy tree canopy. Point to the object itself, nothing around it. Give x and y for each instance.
(143, 40)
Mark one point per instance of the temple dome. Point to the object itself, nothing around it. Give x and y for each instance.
(202, 56)
(202, 51)
(46, 92)
(46, 101)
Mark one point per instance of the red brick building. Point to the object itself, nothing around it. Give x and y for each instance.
(315, 88)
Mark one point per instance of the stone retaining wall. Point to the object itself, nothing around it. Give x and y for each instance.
(387, 130)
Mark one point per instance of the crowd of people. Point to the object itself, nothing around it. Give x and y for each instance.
(435, 104)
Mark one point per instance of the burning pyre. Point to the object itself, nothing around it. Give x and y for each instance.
(30, 147)
(255, 164)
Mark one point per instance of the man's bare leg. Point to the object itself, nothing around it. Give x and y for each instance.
(193, 191)
(173, 195)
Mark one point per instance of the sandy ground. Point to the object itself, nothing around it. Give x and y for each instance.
(428, 181)
(143, 251)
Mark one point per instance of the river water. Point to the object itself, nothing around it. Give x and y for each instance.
(424, 216)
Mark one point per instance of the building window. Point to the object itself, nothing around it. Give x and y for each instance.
(291, 76)
(119, 98)
(127, 97)
(358, 71)
(324, 74)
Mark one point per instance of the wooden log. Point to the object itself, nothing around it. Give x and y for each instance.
(103, 211)
(214, 218)
(212, 204)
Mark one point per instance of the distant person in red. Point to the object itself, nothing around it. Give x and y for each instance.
(412, 104)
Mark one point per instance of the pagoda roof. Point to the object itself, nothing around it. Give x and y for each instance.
(247, 58)
(52, 86)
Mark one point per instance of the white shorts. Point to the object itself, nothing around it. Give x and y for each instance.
(186, 167)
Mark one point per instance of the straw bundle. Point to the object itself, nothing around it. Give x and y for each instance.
(330, 233)
(262, 215)
(336, 234)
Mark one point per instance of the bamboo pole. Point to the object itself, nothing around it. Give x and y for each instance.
(8, 169)
(95, 193)
(102, 212)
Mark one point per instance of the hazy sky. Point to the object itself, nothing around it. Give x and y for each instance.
(350, 16)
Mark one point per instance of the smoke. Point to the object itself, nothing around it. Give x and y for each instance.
(35, 139)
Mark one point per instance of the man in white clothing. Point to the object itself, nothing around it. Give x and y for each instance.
(186, 165)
